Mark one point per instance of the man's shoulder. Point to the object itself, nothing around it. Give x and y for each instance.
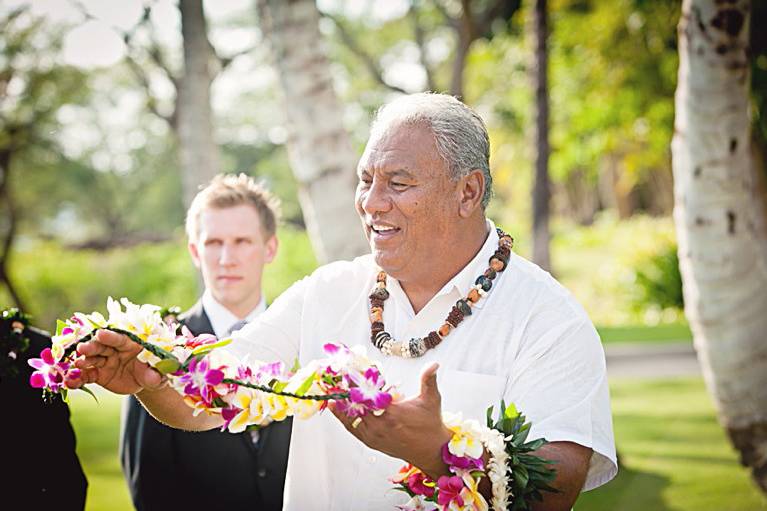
(345, 271)
(541, 291)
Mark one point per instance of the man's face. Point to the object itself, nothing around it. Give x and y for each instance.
(231, 251)
(406, 201)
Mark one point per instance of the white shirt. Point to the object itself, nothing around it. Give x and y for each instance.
(221, 318)
(527, 341)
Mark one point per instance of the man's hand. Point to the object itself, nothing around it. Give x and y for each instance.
(411, 429)
(110, 361)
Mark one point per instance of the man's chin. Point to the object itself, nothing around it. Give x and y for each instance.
(391, 265)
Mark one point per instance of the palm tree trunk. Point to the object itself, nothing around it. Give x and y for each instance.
(197, 148)
(319, 148)
(720, 219)
(541, 188)
(6, 242)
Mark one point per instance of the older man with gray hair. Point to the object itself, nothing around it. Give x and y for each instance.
(440, 288)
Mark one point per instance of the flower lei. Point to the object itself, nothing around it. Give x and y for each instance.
(13, 342)
(253, 394)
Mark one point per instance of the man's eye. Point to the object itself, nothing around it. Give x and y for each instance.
(398, 185)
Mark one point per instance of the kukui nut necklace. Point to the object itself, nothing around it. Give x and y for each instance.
(416, 347)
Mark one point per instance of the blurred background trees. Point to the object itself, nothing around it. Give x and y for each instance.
(123, 163)
(112, 113)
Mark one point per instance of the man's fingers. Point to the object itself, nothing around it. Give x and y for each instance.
(118, 341)
(90, 362)
(147, 377)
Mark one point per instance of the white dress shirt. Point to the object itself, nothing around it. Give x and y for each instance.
(527, 341)
(221, 318)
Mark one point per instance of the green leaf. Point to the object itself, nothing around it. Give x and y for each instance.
(296, 366)
(167, 366)
(305, 385)
(60, 325)
(520, 476)
(205, 348)
(89, 391)
(511, 411)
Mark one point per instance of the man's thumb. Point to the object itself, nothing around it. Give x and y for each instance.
(429, 382)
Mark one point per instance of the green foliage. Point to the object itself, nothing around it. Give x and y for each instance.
(659, 281)
(599, 265)
(56, 282)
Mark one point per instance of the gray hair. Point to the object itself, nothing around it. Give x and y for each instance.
(459, 132)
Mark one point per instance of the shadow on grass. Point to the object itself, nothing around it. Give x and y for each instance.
(631, 490)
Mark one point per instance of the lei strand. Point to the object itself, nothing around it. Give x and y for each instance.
(247, 394)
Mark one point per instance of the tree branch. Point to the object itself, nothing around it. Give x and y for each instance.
(151, 101)
(420, 40)
(453, 22)
(366, 59)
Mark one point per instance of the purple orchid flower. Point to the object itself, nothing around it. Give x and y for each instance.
(449, 490)
(51, 374)
(200, 381)
(461, 462)
(366, 392)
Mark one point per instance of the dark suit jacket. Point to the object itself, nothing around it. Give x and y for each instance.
(218, 470)
(41, 469)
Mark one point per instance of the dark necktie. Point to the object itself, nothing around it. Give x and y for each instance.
(236, 326)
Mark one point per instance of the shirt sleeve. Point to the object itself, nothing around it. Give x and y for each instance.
(558, 381)
(274, 335)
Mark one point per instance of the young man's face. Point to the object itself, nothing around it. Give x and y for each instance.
(231, 250)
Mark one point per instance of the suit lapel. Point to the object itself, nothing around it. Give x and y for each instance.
(196, 320)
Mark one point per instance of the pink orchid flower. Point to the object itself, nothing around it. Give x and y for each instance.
(50, 374)
(449, 490)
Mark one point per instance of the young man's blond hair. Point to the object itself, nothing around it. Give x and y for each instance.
(229, 190)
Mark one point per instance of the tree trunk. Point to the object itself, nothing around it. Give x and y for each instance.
(6, 243)
(319, 148)
(541, 188)
(720, 219)
(197, 148)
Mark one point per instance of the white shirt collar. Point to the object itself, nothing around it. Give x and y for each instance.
(463, 281)
(221, 318)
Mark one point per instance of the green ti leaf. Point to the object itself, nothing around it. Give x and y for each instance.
(167, 366)
(90, 392)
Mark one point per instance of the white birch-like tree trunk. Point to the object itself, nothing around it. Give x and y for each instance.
(319, 147)
(199, 155)
(720, 220)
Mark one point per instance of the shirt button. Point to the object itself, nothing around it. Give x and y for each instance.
(372, 459)
(261, 473)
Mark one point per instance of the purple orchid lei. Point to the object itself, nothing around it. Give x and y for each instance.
(212, 380)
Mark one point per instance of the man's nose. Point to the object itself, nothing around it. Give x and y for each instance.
(375, 199)
(227, 256)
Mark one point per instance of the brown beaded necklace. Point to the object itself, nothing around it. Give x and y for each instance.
(416, 347)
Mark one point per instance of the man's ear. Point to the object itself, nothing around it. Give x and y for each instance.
(194, 253)
(471, 189)
(272, 244)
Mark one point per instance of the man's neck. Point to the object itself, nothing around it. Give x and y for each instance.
(241, 310)
(421, 290)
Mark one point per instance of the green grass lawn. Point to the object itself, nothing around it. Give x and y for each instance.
(674, 454)
(640, 333)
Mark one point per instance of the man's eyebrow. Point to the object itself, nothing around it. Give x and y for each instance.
(399, 172)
